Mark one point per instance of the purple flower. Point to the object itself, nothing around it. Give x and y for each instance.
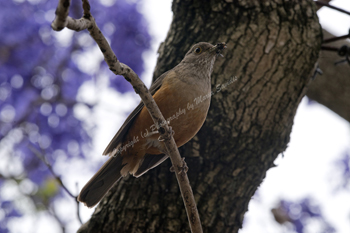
(39, 81)
(9, 209)
(343, 165)
(300, 213)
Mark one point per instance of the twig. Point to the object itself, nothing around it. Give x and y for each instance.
(319, 6)
(42, 158)
(329, 48)
(332, 39)
(52, 210)
(88, 22)
(76, 199)
(316, 72)
(329, 40)
(321, 3)
(59, 180)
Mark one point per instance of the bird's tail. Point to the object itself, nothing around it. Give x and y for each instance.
(101, 182)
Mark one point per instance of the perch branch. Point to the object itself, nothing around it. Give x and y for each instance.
(88, 22)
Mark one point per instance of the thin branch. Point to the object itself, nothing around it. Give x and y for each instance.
(329, 40)
(32, 197)
(325, 1)
(59, 180)
(52, 210)
(343, 51)
(332, 39)
(42, 158)
(321, 3)
(76, 199)
(329, 48)
(60, 20)
(121, 69)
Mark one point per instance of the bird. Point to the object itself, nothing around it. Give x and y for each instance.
(183, 96)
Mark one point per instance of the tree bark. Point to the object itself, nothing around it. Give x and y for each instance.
(332, 88)
(272, 49)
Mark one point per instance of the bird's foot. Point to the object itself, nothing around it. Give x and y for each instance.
(152, 133)
(163, 136)
(182, 169)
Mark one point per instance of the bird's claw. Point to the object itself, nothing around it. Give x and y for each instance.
(182, 169)
(163, 137)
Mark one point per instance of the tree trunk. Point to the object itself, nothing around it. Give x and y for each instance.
(272, 48)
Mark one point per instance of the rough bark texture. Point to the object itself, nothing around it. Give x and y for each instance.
(272, 48)
(332, 89)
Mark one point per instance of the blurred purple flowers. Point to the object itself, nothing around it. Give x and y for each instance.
(343, 171)
(39, 82)
(300, 214)
(9, 211)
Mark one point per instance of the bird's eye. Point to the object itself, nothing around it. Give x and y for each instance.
(198, 50)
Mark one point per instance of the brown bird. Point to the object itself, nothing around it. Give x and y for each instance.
(183, 96)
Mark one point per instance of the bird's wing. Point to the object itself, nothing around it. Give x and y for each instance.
(149, 162)
(118, 138)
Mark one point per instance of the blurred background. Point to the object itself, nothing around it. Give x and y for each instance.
(60, 106)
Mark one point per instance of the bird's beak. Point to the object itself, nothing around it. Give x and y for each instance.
(218, 48)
